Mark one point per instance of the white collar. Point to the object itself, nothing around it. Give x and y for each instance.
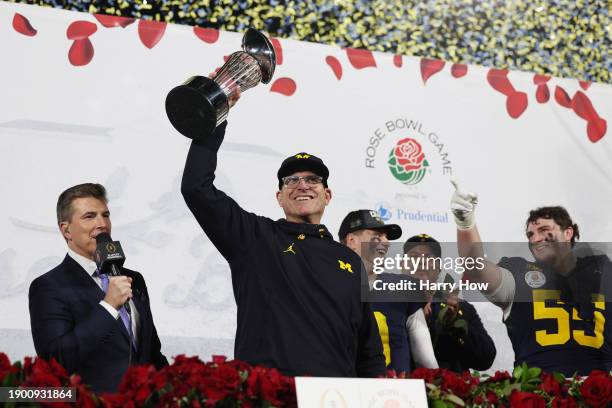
(86, 263)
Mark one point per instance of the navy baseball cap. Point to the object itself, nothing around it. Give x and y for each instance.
(302, 162)
(423, 239)
(367, 219)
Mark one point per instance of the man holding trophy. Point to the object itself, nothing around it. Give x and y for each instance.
(297, 290)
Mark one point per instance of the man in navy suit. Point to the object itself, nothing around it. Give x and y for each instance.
(77, 314)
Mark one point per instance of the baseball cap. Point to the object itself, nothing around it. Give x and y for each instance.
(367, 219)
(423, 238)
(302, 162)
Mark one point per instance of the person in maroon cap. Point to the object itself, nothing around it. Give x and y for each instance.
(297, 290)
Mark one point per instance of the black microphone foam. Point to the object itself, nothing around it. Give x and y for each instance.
(109, 254)
(103, 237)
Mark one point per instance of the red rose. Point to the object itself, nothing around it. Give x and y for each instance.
(499, 376)
(520, 399)
(137, 383)
(564, 402)
(5, 366)
(492, 398)
(85, 397)
(42, 374)
(596, 390)
(470, 379)
(27, 365)
(550, 385)
(427, 374)
(239, 365)
(219, 384)
(265, 384)
(219, 359)
(409, 154)
(455, 384)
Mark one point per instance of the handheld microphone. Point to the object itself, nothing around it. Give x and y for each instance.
(109, 258)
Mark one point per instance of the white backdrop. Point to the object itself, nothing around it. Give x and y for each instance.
(69, 117)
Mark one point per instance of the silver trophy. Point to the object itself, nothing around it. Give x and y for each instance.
(201, 104)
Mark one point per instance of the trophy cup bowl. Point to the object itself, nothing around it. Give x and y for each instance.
(198, 106)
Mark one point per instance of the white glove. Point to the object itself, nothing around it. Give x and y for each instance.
(463, 206)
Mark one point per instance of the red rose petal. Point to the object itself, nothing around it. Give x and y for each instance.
(113, 21)
(335, 65)
(498, 79)
(542, 93)
(397, 61)
(596, 129)
(562, 97)
(81, 52)
(539, 79)
(22, 25)
(208, 35)
(151, 32)
(360, 59)
(429, 67)
(585, 84)
(581, 104)
(516, 104)
(285, 86)
(459, 70)
(278, 49)
(80, 30)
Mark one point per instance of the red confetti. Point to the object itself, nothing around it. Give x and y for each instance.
(498, 79)
(542, 93)
(22, 25)
(113, 21)
(516, 104)
(81, 52)
(583, 107)
(151, 32)
(208, 35)
(360, 59)
(539, 79)
(80, 30)
(596, 129)
(285, 86)
(459, 70)
(429, 67)
(596, 126)
(335, 65)
(397, 61)
(585, 84)
(562, 97)
(278, 49)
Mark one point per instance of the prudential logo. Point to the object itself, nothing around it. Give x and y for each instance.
(384, 211)
(407, 162)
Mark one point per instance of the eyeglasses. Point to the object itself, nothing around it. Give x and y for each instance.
(293, 181)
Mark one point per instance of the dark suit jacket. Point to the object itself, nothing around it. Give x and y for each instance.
(68, 323)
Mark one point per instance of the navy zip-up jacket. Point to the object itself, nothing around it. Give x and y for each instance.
(297, 290)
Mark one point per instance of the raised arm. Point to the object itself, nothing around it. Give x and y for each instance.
(221, 218)
(469, 244)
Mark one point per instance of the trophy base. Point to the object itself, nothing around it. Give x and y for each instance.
(196, 107)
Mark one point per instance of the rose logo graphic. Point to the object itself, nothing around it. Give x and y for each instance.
(407, 161)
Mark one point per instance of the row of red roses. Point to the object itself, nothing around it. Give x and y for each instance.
(191, 382)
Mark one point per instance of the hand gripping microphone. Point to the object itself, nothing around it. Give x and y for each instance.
(109, 258)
